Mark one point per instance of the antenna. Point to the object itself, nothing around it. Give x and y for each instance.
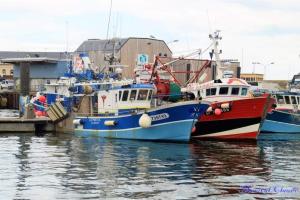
(109, 16)
(215, 37)
(67, 36)
(116, 25)
(120, 28)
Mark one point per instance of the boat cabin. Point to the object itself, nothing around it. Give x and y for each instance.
(125, 98)
(287, 100)
(229, 88)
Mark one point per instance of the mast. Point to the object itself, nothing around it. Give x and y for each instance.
(215, 37)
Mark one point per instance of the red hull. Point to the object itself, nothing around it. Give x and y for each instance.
(242, 108)
(241, 121)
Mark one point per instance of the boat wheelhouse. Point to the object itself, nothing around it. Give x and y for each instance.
(220, 90)
(287, 100)
(284, 119)
(125, 98)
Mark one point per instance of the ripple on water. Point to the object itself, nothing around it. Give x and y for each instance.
(67, 167)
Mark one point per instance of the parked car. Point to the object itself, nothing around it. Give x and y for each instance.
(7, 84)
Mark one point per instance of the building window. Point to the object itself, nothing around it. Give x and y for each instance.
(11, 72)
(4, 71)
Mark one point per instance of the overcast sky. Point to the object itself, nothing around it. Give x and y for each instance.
(262, 31)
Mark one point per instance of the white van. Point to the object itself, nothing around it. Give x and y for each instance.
(7, 84)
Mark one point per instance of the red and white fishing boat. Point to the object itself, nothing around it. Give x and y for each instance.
(235, 113)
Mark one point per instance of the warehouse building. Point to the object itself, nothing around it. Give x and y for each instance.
(124, 51)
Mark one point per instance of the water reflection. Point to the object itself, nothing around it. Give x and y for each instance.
(69, 167)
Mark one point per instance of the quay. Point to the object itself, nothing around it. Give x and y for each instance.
(26, 121)
(20, 125)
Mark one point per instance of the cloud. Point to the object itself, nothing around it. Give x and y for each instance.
(264, 30)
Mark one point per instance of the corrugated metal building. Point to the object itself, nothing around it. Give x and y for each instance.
(124, 50)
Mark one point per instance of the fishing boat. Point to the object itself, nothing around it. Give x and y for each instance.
(235, 113)
(285, 118)
(132, 112)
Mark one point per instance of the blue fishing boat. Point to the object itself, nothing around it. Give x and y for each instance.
(132, 112)
(284, 119)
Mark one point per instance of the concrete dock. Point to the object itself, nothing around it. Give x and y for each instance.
(19, 125)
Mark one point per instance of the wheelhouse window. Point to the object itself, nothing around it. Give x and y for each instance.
(235, 91)
(298, 100)
(223, 91)
(244, 91)
(132, 95)
(142, 95)
(280, 99)
(120, 95)
(125, 95)
(287, 99)
(294, 101)
(207, 92)
(211, 91)
(150, 95)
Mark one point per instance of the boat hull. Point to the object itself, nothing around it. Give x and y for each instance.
(177, 131)
(241, 122)
(281, 122)
(172, 122)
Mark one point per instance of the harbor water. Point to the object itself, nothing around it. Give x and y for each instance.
(69, 167)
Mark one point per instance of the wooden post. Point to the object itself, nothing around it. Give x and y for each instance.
(24, 90)
(24, 78)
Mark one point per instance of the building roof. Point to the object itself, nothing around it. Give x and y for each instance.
(29, 59)
(107, 45)
(101, 45)
(19, 54)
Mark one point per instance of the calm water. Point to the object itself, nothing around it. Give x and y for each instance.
(67, 167)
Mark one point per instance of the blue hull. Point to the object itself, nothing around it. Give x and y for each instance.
(169, 123)
(281, 122)
(177, 131)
